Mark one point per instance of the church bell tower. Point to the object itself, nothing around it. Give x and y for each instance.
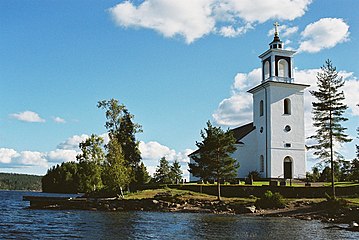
(278, 116)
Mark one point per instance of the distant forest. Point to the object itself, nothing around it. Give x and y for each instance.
(12, 181)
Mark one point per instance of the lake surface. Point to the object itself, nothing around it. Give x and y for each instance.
(18, 222)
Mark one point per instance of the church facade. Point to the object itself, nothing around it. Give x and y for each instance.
(274, 143)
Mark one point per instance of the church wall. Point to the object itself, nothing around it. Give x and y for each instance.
(247, 155)
(298, 162)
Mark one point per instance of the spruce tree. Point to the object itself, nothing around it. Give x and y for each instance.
(176, 172)
(213, 160)
(328, 113)
(162, 174)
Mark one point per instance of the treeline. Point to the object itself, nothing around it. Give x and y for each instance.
(13, 181)
(103, 169)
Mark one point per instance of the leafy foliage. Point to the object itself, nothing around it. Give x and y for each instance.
(270, 200)
(104, 169)
(122, 129)
(13, 181)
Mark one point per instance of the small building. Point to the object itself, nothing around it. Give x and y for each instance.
(274, 143)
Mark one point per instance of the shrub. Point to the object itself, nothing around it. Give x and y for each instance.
(270, 200)
(255, 175)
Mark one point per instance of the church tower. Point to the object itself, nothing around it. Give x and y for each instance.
(278, 115)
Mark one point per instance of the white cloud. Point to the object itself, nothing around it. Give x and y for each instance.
(325, 33)
(152, 152)
(155, 151)
(33, 158)
(7, 154)
(237, 109)
(195, 19)
(58, 120)
(73, 142)
(62, 155)
(27, 116)
(191, 19)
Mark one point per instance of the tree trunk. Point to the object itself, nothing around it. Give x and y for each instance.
(218, 190)
(331, 153)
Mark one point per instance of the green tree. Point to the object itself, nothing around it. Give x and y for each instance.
(91, 160)
(328, 113)
(116, 173)
(163, 170)
(213, 160)
(354, 176)
(175, 172)
(142, 175)
(122, 129)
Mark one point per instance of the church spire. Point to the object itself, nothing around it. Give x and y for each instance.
(276, 43)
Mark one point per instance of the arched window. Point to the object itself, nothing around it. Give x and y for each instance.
(261, 163)
(261, 108)
(266, 70)
(282, 68)
(287, 107)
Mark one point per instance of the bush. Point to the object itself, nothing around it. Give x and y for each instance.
(270, 200)
(255, 175)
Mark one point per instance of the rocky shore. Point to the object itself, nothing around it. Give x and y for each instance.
(166, 202)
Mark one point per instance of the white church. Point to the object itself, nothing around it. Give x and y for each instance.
(274, 143)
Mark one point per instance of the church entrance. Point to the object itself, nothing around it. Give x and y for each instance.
(288, 168)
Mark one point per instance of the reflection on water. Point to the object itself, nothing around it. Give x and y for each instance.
(17, 222)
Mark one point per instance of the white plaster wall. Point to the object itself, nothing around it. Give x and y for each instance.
(247, 155)
(279, 137)
(298, 162)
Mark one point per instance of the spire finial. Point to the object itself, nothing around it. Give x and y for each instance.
(276, 24)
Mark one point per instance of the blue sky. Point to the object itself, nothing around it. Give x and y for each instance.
(174, 64)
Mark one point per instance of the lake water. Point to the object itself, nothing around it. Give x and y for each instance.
(18, 222)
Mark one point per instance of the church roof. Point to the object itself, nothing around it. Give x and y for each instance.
(242, 131)
(238, 133)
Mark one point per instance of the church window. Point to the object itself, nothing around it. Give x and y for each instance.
(282, 68)
(261, 163)
(266, 70)
(287, 107)
(261, 108)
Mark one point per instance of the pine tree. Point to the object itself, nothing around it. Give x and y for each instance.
(162, 174)
(176, 172)
(213, 160)
(328, 115)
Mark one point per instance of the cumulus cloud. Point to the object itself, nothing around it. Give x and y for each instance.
(59, 120)
(325, 33)
(154, 151)
(237, 109)
(7, 154)
(195, 19)
(72, 143)
(27, 116)
(33, 158)
(62, 155)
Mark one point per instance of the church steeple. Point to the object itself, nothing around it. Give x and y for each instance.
(277, 63)
(276, 43)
